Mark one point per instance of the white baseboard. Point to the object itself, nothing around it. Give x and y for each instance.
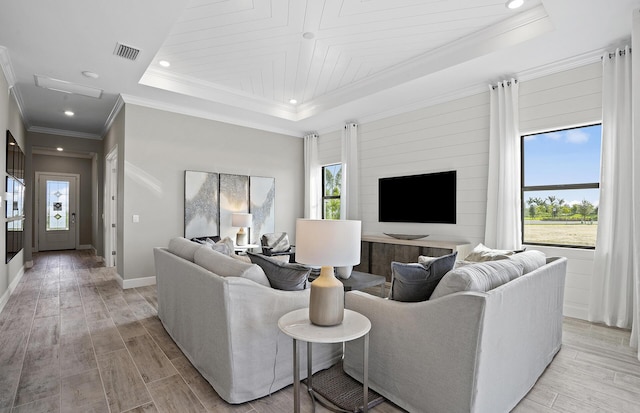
(85, 247)
(575, 311)
(99, 258)
(12, 286)
(28, 264)
(135, 282)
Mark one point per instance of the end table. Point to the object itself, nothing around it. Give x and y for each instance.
(296, 324)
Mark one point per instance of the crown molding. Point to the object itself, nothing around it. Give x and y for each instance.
(573, 62)
(204, 114)
(7, 68)
(113, 115)
(62, 132)
(189, 86)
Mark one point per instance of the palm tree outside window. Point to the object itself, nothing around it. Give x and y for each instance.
(331, 191)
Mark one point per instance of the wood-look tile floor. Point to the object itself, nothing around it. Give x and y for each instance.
(72, 341)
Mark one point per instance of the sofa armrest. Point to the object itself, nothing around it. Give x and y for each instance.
(421, 352)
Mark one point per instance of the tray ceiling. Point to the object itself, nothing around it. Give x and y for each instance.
(242, 61)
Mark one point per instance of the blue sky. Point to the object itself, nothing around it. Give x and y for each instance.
(564, 157)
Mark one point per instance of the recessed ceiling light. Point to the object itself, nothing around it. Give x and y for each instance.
(164, 63)
(92, 75)
(293, 101)
(59, 149)
(69, 113)
(514, 4)
(308, 35)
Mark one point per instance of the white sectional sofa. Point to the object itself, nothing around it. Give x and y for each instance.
(226, 325)
(468, 351)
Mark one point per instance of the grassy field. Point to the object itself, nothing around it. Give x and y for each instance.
(561, 233)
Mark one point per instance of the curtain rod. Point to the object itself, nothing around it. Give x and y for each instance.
(502, 83)
(621, 52)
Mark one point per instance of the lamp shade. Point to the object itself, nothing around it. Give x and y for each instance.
(241, 219)
(328, 242)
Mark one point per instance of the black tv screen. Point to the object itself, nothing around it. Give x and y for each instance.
(426, 198)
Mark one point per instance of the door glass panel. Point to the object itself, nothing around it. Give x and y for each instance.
(57, 205)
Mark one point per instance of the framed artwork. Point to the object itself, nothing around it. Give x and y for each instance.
(201, 204)
(210, 198)
(262, 193)
(234, 197)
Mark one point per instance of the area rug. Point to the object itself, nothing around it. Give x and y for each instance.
(340, 389)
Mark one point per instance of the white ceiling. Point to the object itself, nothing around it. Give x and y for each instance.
(241, 61)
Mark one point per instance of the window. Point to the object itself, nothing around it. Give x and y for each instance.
(560, 187)
(331, 190)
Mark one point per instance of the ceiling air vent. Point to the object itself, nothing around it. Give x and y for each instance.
(127, 52)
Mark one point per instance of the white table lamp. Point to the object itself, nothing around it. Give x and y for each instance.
(329, 244)
(242, 220)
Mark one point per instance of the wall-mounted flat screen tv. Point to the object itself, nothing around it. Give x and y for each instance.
(426, 198)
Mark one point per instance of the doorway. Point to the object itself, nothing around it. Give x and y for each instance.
(57, 211)
(111, 208)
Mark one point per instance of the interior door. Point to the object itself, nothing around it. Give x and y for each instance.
(57, 211)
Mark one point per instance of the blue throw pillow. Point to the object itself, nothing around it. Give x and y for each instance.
(415, 282)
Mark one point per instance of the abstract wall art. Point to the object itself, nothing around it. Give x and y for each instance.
(210, 198)
(262, 193)
(201, 204)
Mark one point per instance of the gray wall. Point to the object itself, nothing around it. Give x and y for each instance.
(159, 146)
(82, 167)
(9, 120)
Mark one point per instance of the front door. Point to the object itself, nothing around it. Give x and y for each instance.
(57, 211)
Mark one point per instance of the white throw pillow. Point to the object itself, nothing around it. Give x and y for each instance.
(483, 253)
(225, 266)
(531, 260)
(482, 276)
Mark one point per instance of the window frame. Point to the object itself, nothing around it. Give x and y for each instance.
(560, 187)
(325, 197)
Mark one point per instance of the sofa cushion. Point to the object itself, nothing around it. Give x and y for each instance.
(183, 248)
(415, 281)
(483, 253)
(531, 260)
(225, 266)
(282, 275)
(482, 276)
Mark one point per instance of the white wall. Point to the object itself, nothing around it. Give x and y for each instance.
(159, 146)
(455, 135)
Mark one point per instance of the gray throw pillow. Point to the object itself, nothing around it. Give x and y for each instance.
(416, 282)
(183, 248)
(282, 275)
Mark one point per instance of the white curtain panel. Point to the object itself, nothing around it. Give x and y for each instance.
(615, 268)
(502, 228)
(312, 178)
(350, 201)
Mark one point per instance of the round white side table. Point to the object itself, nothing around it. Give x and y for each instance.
(297, 325)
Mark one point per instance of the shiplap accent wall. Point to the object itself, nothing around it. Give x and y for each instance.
(455, 135)
(571, 98)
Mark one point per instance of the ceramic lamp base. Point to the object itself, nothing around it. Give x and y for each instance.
(326, 305)
(241, 237)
